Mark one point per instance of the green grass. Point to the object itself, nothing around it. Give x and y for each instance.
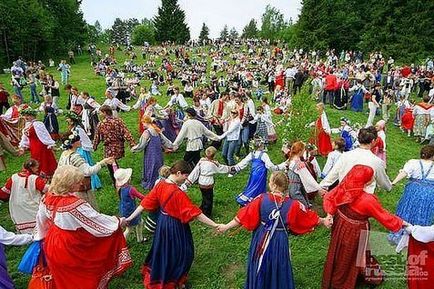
(220, 261)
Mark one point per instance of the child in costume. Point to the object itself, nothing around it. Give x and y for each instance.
(127, 205)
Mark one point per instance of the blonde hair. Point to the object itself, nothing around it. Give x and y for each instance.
(164, 171)
(146, 119)
(280, 180)
(64, 179)
(210, 152)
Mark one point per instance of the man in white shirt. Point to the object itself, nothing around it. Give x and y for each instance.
(360, 156)
(193, 130)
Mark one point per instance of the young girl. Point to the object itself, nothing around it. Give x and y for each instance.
(262, 124)
(347, 133)
(261, 163)
(407, 119)
(127, 205)
(204, 173)
(379, 148)
(172, 251)
(50, 118)
(272, 217)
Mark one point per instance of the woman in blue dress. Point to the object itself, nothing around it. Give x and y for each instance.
(74, 124)
(358, 96)
(261, 163)
(151, 143)
(172, 251)
(272, 217)
(416, 205)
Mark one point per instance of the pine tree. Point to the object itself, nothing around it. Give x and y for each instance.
(272, 23)
(233, 34)
(250, 30)
(170, 23)
(224, 33)
(204, 34)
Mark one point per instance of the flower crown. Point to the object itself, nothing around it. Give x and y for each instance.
(72, 138)
(28, 111)
(72, 115)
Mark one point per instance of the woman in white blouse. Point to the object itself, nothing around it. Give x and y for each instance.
(83, 248)
(114, 103)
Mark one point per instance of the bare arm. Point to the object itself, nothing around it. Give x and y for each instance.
(402, 175)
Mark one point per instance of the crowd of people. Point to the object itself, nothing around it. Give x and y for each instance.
(229, 104)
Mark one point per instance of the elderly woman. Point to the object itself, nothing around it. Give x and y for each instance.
(70, 156)
(83, 248)
(24, 191)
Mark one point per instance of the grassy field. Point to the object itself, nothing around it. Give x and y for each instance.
(220, 261)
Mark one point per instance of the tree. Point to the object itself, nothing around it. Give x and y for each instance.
(144, 32)
(204, 34)
(233, 34)
(94, 32)
(272, 23)
(224, 33)
(250, 30)
(170, 23)
(52, 27)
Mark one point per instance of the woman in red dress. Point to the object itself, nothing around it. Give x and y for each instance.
(37, 139)
(352, 207)
(322, 132)
(83, 248)
(420, 257)
(172, 250)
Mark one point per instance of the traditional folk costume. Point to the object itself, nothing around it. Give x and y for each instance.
(9, 238)
(115, 104)
(85, 151)
(357, 98)
(407, 120)
(322, 135)
(90, 116)
(151, 143)
(170, 125)
(127, 204)
(216, 114)
(272, 218)
(420, 258)
(37, 139)
(302, 182)
(24, 191)
(194, 131)
(84, 249)
(352, 207)
(421, 119)
(113, 132)
(204, 173)
(257, 183)
(75, 159)
(416, 205)
(172, 250)
(11, 125)
(50, 120)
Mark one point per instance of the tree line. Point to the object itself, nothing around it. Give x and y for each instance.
(38, 29)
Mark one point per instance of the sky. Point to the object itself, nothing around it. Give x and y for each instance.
(215, 13)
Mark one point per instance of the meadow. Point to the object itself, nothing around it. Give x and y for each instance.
(220, 260)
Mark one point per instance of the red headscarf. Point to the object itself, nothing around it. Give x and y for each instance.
(352, 186)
